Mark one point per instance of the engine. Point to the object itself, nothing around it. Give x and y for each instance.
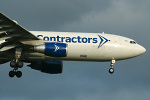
(47, 66)
(52, 49)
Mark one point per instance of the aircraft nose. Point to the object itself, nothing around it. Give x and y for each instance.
(141, 50)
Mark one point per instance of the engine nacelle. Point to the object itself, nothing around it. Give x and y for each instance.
(52, 49)
(47, 66)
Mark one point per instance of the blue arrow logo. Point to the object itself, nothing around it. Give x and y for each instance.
(103, 41)
(56, 48)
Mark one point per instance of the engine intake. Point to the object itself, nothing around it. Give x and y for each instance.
(52, 49)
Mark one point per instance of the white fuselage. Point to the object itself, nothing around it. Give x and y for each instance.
(92, 46)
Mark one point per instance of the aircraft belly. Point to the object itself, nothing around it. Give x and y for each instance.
(86, 52)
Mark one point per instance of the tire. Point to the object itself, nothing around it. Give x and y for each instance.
(20, 64)
(18, 74)
(11, 74)
(12, 64)
(111, 70)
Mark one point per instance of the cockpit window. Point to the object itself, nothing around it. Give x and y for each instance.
(132, 42)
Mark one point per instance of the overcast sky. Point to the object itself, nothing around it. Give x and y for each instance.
(82, 80)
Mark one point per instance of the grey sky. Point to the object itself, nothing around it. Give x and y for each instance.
(82, 80)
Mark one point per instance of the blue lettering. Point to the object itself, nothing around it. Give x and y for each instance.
(77, 39)
(73, 40)
(84, 40)
(39, 35)
(94, 40)
(68, 39)
(89, 40)
(58, 39)
(62, 39)
(46, 38)
(52, 39)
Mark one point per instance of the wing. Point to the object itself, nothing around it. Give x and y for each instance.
(11, 27)
(11, 34)
(16, 46)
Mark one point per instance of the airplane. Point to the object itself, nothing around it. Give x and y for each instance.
(45, 51)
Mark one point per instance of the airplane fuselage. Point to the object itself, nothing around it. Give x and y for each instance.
(92, 46)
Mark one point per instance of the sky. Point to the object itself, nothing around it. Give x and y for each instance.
(82, 80)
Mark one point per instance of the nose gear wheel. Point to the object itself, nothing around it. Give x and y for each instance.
(111, 70)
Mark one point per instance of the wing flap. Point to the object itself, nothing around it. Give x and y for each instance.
(8, 47)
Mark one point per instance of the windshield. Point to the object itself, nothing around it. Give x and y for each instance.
(133, 42)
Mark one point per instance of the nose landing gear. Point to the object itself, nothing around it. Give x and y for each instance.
(111, 70)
